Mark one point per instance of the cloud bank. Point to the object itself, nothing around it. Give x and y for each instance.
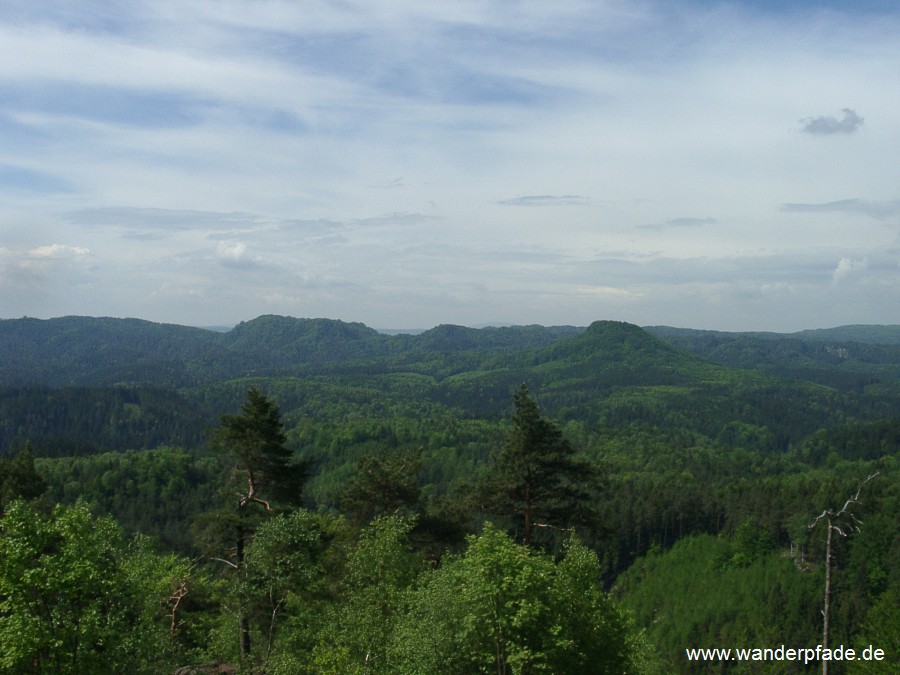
(409, 163)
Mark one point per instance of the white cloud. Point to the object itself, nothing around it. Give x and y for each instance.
(848, 267)
(235, 254)
(45, 280)
(58, 251)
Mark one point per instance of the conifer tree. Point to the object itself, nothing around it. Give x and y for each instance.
(384, 483)
(262, 478)
(536, 477)
(19, 479)
(254, 443)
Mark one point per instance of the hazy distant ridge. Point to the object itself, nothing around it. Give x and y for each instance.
(871, 334)
(88, 351)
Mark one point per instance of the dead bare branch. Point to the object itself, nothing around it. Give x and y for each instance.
(227, 562)
(177, 596)
(830, 516)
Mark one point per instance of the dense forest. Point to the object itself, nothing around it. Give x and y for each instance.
(313, 496)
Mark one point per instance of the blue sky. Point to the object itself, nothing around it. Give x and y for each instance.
(728, 165)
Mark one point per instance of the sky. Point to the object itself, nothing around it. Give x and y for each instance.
(407, 163)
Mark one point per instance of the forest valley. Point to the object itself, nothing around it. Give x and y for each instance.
(312, 496)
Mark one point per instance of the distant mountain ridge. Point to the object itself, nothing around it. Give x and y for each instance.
(78, 383)
(883, 334)
(89, 351)
(846, 356)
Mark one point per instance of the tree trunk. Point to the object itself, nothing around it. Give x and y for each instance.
(243, 621)
(526, 537)
(827, 612)
(846, 523)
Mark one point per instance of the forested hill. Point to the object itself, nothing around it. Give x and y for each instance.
(79, 385)
(86, 351)
(691, 463)
(77, 350)
(847, 357)
(867, 334)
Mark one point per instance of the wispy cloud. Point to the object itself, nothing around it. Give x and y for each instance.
(546, 200)
(399, 218)
(19, 178)
(877, 210)
(58, 251)
(161, 219)
(679, 222)
(828, 125)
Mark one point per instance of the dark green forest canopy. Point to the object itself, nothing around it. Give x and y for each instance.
(712, 453)
(80, 385)
(86, 351)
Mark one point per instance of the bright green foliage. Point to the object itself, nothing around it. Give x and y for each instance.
(603, 639)
(157, 492)
(284, 576)
(686, 598)
(165, 590)
(504, 608)
(76, 598)
(355, 638)
(882, 631)
(536, 477)
(749, 543)
(688, 449)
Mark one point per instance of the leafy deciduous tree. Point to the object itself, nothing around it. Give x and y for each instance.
(76, 598)
(503, 608)
(357, 635)
(284, 571)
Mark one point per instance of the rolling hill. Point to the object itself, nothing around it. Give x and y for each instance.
(82, 384)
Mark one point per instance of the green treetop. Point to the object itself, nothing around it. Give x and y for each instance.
(19, 479)
(536, 476)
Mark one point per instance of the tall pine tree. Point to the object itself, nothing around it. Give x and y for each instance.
(536, 477)
(19, 479)
(262, 479)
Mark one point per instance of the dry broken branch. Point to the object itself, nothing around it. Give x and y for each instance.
(830, 517)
